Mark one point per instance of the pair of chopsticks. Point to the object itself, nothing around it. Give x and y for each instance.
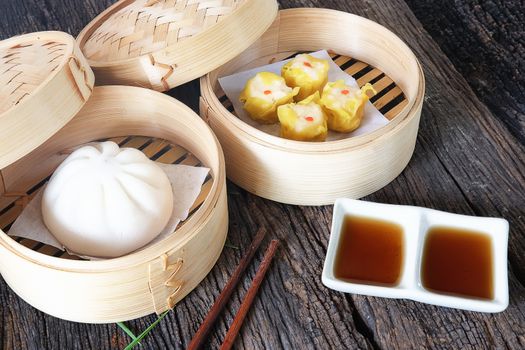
(222, 299)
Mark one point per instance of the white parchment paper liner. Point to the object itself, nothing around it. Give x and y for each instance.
(186, 182)
(234, 84)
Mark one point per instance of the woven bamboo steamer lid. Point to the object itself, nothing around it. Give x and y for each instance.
(160, 44)
(44, 81)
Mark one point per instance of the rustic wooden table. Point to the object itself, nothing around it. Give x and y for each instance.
(469, 159)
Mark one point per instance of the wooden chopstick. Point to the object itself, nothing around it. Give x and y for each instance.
(223, 298)
(250, 296)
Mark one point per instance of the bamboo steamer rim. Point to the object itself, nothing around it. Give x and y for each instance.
(339, 146)
(184, 234)
(65, 85)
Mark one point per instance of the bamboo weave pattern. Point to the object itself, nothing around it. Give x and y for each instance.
(23, 67)
(145, 26)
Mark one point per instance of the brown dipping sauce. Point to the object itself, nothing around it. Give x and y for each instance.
(457, 261)
(370, 251)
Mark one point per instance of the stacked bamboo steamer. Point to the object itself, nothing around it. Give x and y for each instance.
(48, 105)
(160, 44)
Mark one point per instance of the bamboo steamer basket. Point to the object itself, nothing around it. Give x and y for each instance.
(161, 44)
(152, 279)
(316, 173)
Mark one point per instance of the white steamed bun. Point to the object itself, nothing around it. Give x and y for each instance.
(106, 201)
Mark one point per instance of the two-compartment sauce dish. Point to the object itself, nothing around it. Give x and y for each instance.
(416, 253)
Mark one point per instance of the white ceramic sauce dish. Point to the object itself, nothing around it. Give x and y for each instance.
(416, 222)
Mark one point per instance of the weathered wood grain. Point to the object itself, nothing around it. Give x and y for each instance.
(485, 40)
(466, 161)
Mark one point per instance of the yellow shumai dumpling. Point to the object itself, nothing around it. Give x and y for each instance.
(344, 105)
(303, 121)
(306, 72)
(263, 94)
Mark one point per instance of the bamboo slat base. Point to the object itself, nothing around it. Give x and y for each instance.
(389, 100)
(158, 150)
